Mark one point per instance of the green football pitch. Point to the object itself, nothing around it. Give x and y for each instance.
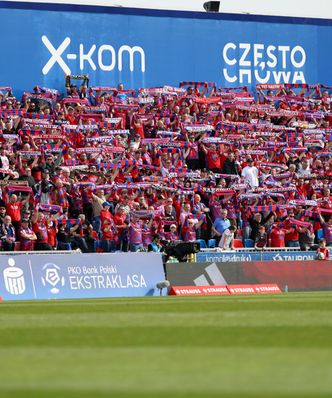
(244, 346)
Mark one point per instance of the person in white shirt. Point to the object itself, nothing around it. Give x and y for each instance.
(304, 168)
(250, 174)
(226, 241)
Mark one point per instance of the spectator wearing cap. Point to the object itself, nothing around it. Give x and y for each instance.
(250, 174)
(172, 235)
(155, 245)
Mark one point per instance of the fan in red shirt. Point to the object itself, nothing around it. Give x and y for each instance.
(13, 209)
(277, 236)
(212, 158)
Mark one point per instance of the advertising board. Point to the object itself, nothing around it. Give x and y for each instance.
(296, 276)
(221, 257)
(146, 48)
(55, 276)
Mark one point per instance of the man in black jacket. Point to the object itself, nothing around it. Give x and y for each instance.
(230, 165)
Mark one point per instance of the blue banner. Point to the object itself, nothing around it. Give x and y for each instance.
(51, 276)
(151, 48)
(222, 257)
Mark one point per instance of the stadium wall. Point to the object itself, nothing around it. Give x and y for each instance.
(140, 48)
(288, 275)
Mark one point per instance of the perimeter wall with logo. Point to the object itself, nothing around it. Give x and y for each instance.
(145, 48)
(34, 276)
(288, 275)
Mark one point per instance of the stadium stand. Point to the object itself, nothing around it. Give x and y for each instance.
(107, 168)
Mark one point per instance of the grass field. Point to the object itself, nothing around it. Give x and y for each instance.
(253, 346)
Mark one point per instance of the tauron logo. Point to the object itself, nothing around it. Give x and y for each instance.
(105, 57)
(247, 63)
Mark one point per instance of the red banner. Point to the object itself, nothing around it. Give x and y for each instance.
(241, 289)
(267, 289)
(198, 290)
(223, 290)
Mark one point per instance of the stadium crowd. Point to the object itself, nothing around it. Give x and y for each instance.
(108, 168)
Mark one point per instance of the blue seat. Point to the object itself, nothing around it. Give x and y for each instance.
(202, 243)
(249, 243)
(211, 243)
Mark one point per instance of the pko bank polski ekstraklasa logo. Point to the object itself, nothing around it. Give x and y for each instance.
(52, 277)
(248, 63)
(104, 57)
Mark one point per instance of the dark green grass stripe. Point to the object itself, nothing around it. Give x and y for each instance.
(305, 337)
(167, 394)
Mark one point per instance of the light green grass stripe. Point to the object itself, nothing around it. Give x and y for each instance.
(223, 370)
(223, 318)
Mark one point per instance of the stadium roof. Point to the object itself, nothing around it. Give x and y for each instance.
(304, 8)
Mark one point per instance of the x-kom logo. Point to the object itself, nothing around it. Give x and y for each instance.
(107, 57)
